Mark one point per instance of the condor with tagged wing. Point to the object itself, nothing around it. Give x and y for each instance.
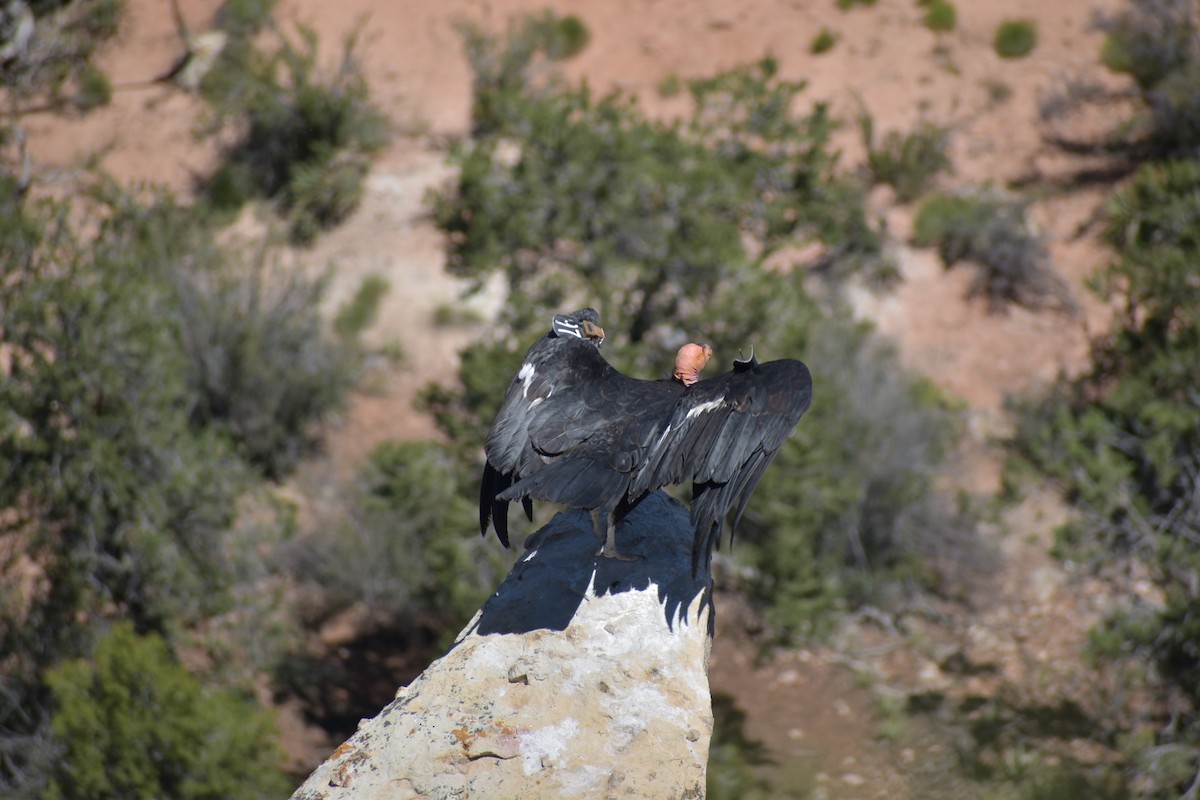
(574, 430)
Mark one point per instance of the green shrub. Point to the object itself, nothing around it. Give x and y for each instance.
(229, 187)
(358, 314)
(1124, 439)
(306, 138)
(139, 359)
(1156, 43)
(265, 368)
(818, 538)
(407, 549)
(94, 90)
(1150, 39)
(242, 19)
(990, 230)
(132, 723)
(1015, 38)
(324, 192)
(1174, 104)
(563, 37)
(823, 42)
(262, 365)
(650, 211)
(126, 500)
(907, 162)
(998, 91)
(104, 482)
(501, 75)
(55, 64)
(670, 85)
(846, 5)
(940, 16)
(454, 314)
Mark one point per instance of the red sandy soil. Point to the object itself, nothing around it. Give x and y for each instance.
(806, 703)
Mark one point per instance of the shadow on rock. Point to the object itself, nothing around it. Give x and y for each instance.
(560, 567)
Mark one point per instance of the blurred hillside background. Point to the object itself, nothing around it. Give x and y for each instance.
(266, 267)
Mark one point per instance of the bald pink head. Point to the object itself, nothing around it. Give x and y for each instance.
(690, 361)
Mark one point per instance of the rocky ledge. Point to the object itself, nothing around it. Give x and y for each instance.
(581, 677)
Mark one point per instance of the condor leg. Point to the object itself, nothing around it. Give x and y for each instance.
(604, 523)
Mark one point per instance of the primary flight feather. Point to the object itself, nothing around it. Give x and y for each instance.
(574, 430)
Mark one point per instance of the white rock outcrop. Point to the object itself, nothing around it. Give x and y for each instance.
(579, 678)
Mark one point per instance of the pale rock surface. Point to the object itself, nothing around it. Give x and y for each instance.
(579, 678)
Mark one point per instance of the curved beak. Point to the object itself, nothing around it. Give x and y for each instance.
(593, 331)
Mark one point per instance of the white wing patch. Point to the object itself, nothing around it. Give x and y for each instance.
(703, 407)
(526, 376)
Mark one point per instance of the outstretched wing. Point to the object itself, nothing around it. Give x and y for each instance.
(574, 430)
(721, 437)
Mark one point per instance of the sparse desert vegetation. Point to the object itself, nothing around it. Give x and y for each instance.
(940, 15)
(176, 371)
(823, 42)
(990, 230)
(1015, 38)
(908, 162)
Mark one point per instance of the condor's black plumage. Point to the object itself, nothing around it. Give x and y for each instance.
(574, 430)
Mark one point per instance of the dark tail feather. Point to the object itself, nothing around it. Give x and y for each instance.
(527, 504)
(702, 548)
(500, 521)
(707, 520)
(711, 502)
(487, 493)
(492, 509)
(746, 484)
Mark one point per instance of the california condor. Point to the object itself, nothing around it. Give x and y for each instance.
(574, 430)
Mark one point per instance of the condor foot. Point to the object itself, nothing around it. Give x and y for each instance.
(613, 553)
